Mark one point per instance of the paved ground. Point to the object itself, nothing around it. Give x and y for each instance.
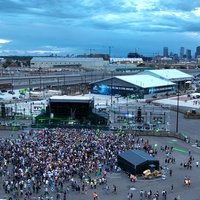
(186, 126)
(123, 184)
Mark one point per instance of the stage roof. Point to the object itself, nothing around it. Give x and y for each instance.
(75, 99)
(145, 81)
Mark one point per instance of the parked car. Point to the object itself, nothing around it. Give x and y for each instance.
(11, 92)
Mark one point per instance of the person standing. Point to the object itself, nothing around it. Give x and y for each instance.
(172, 187)
(114, 189)
(170, 172)
(95, 196)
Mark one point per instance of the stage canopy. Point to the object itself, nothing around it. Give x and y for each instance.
(137, 161)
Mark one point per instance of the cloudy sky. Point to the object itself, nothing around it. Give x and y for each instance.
(30, 27)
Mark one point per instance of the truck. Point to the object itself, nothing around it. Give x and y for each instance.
(6, 86)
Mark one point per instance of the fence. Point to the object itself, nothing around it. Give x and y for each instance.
(161, 134)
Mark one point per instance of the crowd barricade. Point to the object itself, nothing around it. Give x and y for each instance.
(10, 128)
(161, 134)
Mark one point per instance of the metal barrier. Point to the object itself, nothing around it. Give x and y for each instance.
(161, 134)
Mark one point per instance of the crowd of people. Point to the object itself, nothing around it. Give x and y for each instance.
(57, 161)
(52, 163)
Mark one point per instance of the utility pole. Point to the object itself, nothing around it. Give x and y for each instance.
(177, 109)
(109, 51)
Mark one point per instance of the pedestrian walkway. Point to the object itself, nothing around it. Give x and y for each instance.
(185, 103)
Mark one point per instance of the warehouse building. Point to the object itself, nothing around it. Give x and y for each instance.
(126, 60)
(147, 84)
(66, 62)
(140, 86)
(176, 76)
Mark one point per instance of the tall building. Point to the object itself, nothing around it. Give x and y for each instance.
(165, 52)
(197, 54)
(188, 54)
(182, 52)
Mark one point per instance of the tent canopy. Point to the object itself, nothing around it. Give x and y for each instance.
(136, 161)
(136, 157)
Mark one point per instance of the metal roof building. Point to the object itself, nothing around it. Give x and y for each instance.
(143, 86)
(173, 75)
(68, 62)
(126, 60)
(145, 81)
(64, 59)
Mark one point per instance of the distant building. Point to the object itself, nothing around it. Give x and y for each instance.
(197, 54)
(182, 52)
(166, 60)
(134, 55)
(188, 54)
(165, 52)
(126, 60)
(2, 60)
(68, 63)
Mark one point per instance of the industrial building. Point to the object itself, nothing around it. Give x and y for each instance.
(126, 60)
(147, 84)
(173, 75)
(141, 86)
(66, 62)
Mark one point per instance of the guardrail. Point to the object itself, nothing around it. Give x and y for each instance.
(10, 128)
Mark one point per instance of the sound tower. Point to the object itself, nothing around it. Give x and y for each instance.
(3, 110)
(139, 115)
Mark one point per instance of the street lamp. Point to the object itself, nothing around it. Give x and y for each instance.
(111, 87)
(177, 109)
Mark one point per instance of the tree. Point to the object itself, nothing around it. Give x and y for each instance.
(6, 64)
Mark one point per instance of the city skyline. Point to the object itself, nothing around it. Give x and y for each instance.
(92, 26)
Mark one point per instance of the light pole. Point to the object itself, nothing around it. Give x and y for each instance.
(111, 85)
(177, 110)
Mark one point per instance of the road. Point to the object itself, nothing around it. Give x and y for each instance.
(188, 127)
(42, 80)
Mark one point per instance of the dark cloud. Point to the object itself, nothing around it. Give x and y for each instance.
(9, 6)
(66, 22)
(62, 8)
(183, 5)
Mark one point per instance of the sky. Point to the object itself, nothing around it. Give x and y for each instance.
(42, 27)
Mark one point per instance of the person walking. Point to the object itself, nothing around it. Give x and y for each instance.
(172, 187)
(170, 172)
(114, 189)
(95, 196)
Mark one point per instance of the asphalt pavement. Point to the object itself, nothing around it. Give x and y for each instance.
(124, 185)
(189, 127)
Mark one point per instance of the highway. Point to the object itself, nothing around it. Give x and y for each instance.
(43, 81)
(66, 78)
